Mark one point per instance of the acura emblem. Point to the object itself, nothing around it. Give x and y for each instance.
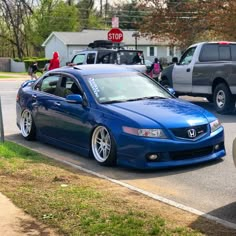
(192, 133)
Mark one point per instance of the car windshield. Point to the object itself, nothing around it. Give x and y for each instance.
(109, 88)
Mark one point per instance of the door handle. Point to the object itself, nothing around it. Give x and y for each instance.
(188, 70)
(34, 96)
(57, 103)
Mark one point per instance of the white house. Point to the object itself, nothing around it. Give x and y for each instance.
(69, 43)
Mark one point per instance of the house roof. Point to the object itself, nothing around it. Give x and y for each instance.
(86, 36)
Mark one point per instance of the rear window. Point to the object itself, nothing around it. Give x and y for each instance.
(215, 52)
(233, 51)
(209, 52)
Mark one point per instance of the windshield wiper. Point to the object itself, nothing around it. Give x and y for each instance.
(145, 98)
(154, 97)
(113, 101)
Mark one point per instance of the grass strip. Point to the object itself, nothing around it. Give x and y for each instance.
(76, 203)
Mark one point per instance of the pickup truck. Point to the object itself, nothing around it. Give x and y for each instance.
(206, 69)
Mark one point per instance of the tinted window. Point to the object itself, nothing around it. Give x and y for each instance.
(105, 57)
(130, 57)
(91, 58)
(209, 52)
(224, 53)
(233, 52)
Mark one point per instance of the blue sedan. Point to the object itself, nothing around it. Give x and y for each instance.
(117, 116)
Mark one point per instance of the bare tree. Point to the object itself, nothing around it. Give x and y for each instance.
(13, 14)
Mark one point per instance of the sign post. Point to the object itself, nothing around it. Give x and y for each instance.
(1, 124)
(115, 35)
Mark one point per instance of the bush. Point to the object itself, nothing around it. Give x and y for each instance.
(41, 62)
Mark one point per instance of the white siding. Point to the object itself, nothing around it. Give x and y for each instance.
(55, 45)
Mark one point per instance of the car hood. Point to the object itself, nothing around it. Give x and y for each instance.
(170, 113)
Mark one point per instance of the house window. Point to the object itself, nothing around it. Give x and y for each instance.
(171, 51)
(152, 51)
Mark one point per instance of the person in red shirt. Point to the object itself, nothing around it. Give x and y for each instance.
(54, 62)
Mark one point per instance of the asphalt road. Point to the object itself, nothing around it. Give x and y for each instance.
(209, 188)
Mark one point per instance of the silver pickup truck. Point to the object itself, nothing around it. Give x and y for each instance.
(206, 69)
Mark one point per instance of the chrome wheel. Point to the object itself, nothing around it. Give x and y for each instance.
(220, 98)
(27, 125)
(103, 146)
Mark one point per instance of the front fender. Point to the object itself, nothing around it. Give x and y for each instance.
(166, 74)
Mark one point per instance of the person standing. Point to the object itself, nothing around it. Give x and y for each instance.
(156, 69)
(54, 62)
(33, 69)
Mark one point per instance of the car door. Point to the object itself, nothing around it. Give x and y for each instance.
(65, 121)
(183, 71)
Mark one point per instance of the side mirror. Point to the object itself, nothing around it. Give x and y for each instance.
(74, 98)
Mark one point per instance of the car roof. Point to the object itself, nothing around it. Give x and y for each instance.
(96, 50)
(213, 42)
(89, 69)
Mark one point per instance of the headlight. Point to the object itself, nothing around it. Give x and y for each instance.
(152, 133)
(215, 125)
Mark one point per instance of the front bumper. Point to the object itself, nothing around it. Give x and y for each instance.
(134, 151)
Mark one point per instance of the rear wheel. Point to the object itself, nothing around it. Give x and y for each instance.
(27, 125)
(103, 147)
(224, 101)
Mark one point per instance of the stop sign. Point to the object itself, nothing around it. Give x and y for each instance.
(115, 35)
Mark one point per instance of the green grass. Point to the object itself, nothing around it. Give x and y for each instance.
(73, 202)
(5, 77)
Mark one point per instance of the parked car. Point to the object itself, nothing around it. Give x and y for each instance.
(102, 52)
(118, 116)
(206, 69)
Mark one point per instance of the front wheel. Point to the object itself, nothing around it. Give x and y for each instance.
(27, 125)
(224, 101)
(103, 147)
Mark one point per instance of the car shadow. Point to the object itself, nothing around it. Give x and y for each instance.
(114, 172)
(221, 221)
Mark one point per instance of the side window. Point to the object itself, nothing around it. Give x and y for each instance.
(48, 84)
(187, 56)
(91, 58)
(66, 86)
(209, 52)
(79, 59)
(224, 53)
(233, 51)
(104, 57)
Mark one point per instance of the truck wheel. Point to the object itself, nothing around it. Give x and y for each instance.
(223, 100)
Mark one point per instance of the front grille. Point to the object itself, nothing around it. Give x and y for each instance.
(193, 153)
(183, 132)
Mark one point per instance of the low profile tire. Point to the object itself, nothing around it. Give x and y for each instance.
(103, 147)
(27, 125)
(224, 101)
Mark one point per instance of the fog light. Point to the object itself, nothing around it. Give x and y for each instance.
(217, 147)
(153, 157)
